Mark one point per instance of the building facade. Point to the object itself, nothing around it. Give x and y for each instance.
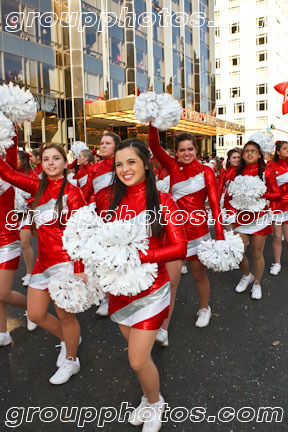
(73, 53)
(251, 44)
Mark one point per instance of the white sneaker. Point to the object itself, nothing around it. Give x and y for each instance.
(62, 354)
(162, 337)
(103, 308)
(275, 269)
(244, 282)
(68, 368)
(156, 412)
(30, 324)
(204, 316)
(256, 292)
(184, 269)
(136, 417)
(26, 279)
(5, 339)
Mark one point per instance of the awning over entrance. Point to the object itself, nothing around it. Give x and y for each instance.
(120, 112)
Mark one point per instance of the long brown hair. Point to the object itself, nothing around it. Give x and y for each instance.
(261, 162)
(44, 183)
(229, 154)
(25, 161)
(152, 195)
(278, 144)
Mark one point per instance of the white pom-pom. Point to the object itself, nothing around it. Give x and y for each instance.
(7, 132)
(20, 200)
(73, 295)
(71, 179)
(163, 185)
(162, 110)
(220, 258)
(264, 140)
(77, 147)
(110, 252)
(246, 192)
(17, 104)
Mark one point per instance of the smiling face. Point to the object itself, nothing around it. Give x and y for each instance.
(82, 160)
(107, 147)
(251, 154)
(186, 152)
(235, 159)
(53, 163)
(283, 152)
(129, 167)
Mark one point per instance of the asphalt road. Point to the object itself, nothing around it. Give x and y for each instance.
(239, 361)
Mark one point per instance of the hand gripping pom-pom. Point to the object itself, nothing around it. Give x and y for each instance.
(264, 140)
(7, 132)
(17, 104)
(73, 295)
(160, 109)
(219, 258)
(163, 185)
(20, 200)
(77, 147)
(246, 192)
(110, 252)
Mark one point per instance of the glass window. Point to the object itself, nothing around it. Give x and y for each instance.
(261, 88)
(234, 76)
(221, 110)
(262, 56)
(234, 44)
(234, 92)
(235, 60)
(262, 122)
(9, 6)
(262, 105)
(176, 67)
(235, 28)
(118, 88)
(262, 73)
(221, 140)
(93, 85)
(50, 78)
(217, 31)
(13, 69)
(217, 15)
(239, 107)
(261, 39)
(217, 63)
(261, 22)
(218, 94)
(239, 139)
(189, 73)
(117, 51)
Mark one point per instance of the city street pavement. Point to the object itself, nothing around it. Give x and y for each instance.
(240, 360)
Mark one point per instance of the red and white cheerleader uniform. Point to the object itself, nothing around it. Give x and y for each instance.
(25, 217)
(258, 223)
(190, 185)
(52, 258)
(98, 186)
(225, 178)
(280, 169)
(82, 174)
(148, 309)
(10, 245)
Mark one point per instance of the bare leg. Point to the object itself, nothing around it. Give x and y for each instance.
(8, 297)
(202, 282)
(28, 254)
(244, 266)
(140, 345)
(277, 242)
(257, 248)
(70, 330)
(38, 302)
(174, 271)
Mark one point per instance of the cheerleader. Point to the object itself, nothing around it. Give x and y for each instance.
(55, 199)
(280, 227)
(140, 317)
(85, 161)
(254, 227)
(36, 161)
(10, 251)
(190, 183)
(233, 161)
(98, 187)
(24, 167)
